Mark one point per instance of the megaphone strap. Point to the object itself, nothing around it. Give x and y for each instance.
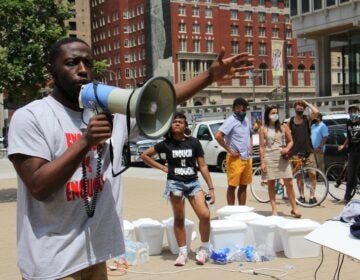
(95, 86)
(128, 152)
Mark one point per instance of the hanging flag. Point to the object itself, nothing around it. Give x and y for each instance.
(277, 57)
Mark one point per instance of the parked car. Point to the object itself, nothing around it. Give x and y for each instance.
(215, 155)
(337, 136)
(137, 147)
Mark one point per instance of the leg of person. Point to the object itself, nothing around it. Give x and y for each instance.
(291, 196)
(271, 191)
(245, 179)
(300, 185)
(311, 162)
(233, 167)
(320, 161)
(353, 167)
(202, 212)
(94, 272)
(178, 208)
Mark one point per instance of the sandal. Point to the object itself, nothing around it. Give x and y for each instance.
(295, 215)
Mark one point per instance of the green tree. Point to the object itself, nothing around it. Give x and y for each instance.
(27, 29)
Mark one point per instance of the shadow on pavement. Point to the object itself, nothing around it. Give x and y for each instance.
(8, 195)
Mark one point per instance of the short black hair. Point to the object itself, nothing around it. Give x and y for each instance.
(55, 48)
(353, 107)
(180, 115)
(240, 101)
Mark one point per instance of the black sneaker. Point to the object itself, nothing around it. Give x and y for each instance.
(302, 199)
(312, 200)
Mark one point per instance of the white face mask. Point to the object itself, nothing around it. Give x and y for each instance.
(274, 117)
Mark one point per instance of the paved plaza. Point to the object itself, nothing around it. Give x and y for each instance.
(143, 188)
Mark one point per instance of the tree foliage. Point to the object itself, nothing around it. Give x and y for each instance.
(27, 29)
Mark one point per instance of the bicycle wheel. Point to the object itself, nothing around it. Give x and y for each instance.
(318, 188)
(337, 181)
(258, 187)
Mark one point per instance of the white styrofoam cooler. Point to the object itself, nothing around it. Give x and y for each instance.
(246, 217)
(170, 235)
(292, 237)
(151, 232)
(227, 234)
(232, 209)
(128, 230)
(266, 232)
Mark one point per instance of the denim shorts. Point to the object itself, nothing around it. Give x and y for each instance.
(182, 189)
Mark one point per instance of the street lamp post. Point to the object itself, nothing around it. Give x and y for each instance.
(287, 114)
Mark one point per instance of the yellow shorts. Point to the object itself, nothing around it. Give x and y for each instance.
(239, 171)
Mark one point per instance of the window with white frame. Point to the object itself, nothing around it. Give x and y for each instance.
(301, 75)
(248, 15)
(262, 49)
(248, 31)
(182, 11)
(234, 47)
(261, 16)
(196, 43)
(127, 73)
(289, 50)
(233, 14)
(182, 45)
(249, 47)
(196, 27)
(195, 11)
(208, 12)
(234, 30)
(209, 46)
(262, 32)
(182, 27)
(274, 18)
(275, 33)
(209, 28)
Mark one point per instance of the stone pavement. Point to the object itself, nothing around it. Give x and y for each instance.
(143, 188)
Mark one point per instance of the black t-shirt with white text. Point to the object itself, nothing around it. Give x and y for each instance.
(353, 134)
(181, 157)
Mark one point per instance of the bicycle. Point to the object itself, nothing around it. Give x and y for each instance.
(336, 175)
(259, 188)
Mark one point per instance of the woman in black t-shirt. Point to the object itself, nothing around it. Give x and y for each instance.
(184, 156)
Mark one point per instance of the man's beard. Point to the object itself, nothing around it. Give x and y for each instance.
(70, 95)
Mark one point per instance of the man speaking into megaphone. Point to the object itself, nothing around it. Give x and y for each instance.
(64, 167)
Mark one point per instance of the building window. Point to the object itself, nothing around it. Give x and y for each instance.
(234, 47)
(261, 16)
(248, 2)
(288, 33)
(294, 8)
(275, 18)
(338, 61)
(182, 45)
(305, 6)
(317, 4)
(275, 33)
(262, 32)
(208, 12)
(249, 47)
(262, 49)
(181, 11)
(289, 50)
(196, 46)
(234, 30)
(72, 25)
(339, 78)
(127, 73)
(262, 2)
(196, 28)
(301, 75)
(182, 27)
(330, 3)
(262, 74)
(274, 3)
(248, 31)
(195, 11)
(248, 15)
(209, 46)
(209, 28)
(233, 14)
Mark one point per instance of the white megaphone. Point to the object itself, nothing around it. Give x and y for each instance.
(153, 105)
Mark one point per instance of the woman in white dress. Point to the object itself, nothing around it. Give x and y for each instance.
(275, 142)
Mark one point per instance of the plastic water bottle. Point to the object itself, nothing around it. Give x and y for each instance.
(136, 252)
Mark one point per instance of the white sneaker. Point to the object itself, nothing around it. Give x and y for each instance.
(181, 259)
(201, 256)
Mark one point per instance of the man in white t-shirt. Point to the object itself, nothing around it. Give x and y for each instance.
(69, 202)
